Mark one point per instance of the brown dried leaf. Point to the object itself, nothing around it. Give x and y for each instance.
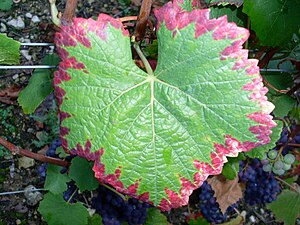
(9, 94)
(227, 192)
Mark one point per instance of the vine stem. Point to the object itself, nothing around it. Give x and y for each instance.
(69, 12)
(287, 184)
(114, 190)
(16, 150)
(143, 58)
(141, 23)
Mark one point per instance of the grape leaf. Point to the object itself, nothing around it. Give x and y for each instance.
(287, 207)
(39, 87)
(154, 216)
(56, 211)
(55, 181)
(274, 22)
(9, 50)
(158, 136)
(232, 167)
(259, 152)
(81, 172)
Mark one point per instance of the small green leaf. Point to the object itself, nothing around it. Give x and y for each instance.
(154, 216)
(287, 207)
(56, 211)
(55, 181)
(5, 5)
(9, 50)
(81, 172)
(232, 167)
(260, 151)
(95, 220)
(39, 87)
(274, 22)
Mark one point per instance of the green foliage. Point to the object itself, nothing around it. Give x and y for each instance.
(56, 211)
(7, 129)
(39, 87)
(233, 14)
(224, 2)
(287, 207)
(55, 181)
(81, 172)
(260, 151)
(154, 216)
(9, 50)
(200, 220)
(232, 167)
(95, 220)
(283, 102)
(5, 5)
(274, 22)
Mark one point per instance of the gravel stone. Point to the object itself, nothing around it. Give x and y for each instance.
(28, 15)
(17, 23)
(25, 53)
(3, 28)
(35, 19)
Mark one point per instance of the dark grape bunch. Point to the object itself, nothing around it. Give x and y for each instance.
(114, 210)
(209, 206)
(50, 152)
(72, 191)
(261, 186)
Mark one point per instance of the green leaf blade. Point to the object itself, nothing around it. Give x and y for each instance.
(291, 210)
(39, 87)
(274, 22)
(84, 180)
(9, 50)
(56, 211)
(158, 137)
(55, 181)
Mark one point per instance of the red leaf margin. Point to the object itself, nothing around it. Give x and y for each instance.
(174, 18)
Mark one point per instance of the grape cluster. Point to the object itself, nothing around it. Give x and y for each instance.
(261, 186)
(209, 206)
(71, 192)
(279, 160)
(114, 210)
(50, 152)
(276, 163)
